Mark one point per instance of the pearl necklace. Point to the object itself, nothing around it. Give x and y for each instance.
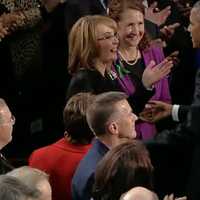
(126, 61)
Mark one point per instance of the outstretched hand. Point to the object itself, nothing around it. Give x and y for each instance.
(155, 111)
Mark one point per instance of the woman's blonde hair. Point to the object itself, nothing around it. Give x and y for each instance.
(83, 47)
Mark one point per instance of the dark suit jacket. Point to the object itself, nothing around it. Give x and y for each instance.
(86, 80)
(4, 165)
(83, 179)
(176, 154)
(78, 8)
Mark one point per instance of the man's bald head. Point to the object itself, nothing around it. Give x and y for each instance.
(139, 193)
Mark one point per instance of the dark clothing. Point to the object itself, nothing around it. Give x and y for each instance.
(83, 179)
(4, 165)
(86, 80)
(178, 148)
(152, 29)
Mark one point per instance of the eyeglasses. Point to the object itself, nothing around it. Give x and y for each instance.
(109, 36)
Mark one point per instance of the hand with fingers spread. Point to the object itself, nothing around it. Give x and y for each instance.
(154, 15)
(184, 7)
(171, 197)
(3, 31)
(12, 21)
(153, 73)
(155, 111)
(168, 31)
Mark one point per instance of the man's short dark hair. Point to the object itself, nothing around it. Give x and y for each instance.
(102, 108)
(74, 117)
(12, 188)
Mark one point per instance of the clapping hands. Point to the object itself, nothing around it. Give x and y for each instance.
(9, 22)
(154, 15)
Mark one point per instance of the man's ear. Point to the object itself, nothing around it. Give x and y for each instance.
(113, 128)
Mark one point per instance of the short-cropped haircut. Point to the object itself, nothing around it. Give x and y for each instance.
(101, 110)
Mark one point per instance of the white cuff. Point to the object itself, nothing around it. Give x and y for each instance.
(175, 109)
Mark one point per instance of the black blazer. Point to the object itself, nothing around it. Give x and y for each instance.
(176, 153)
(76, 9)
(86, 80)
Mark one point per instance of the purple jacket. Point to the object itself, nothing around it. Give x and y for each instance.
(148, 130)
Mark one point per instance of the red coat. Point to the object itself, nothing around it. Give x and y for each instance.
(59, 160)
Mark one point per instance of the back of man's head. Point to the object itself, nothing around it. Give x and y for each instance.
(139, 193)
(12, 188)
(74, 117)
(33, 178)
(197, 5)
(102, 109)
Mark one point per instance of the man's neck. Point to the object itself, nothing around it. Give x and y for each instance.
(110, 141)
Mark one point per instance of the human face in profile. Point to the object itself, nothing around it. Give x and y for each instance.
(6, 126)
(194, 27)
(107, 43)
(125, 120)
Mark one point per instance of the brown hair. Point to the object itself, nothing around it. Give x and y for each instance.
(82, 41)
(126, 166)
(74, 117)
(117, 7)
(101, 110)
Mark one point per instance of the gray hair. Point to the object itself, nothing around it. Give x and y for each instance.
(196, 7)
(12, 188)
(28, 175)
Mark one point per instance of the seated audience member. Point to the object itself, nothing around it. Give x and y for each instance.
(12, 188)
(93, 44)
(111, 119)
(138, 59)
(33, 178)
(126, 166)
(7, 120)
(139, 193)
(55, 158)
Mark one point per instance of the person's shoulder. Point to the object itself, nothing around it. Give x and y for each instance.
(89, 162)
(83, 74)
(42, 151)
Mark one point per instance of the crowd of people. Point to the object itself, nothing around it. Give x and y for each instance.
(106, 96)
